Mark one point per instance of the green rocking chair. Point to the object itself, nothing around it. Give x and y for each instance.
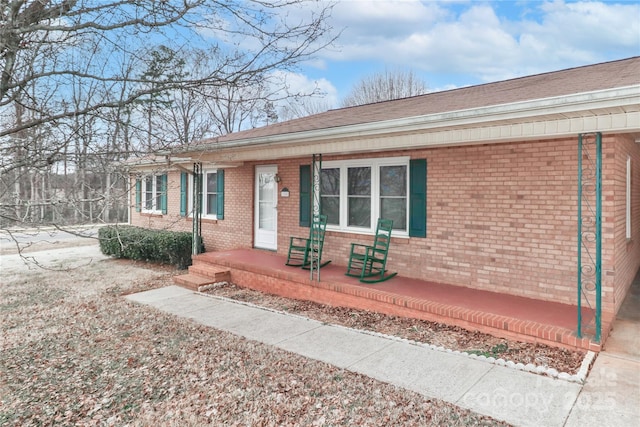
(369, 263)
(301, 249)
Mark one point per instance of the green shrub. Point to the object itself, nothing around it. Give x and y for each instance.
(142, 244)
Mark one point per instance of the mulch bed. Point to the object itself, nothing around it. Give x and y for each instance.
(423, 331)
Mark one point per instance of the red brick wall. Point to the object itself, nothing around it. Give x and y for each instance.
(235, 231)
(625, 254)
(500, 217)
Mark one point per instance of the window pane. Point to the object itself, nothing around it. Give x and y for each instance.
(158, 192)
(331, 208)
(212, 204)
(330, 182)
(267, 197)
(360, 212)
(359, 184)
(267, 186)
(212, 182)
(393, 180)
(395, 209)
(148, 192)
(330, 195)
(267, 218)
(359, 181)
(211, 197)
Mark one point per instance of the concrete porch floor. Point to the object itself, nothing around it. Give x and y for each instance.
(498, 314)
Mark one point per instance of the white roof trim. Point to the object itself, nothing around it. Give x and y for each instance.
(522, 111)
(443, 137)
(184, 164)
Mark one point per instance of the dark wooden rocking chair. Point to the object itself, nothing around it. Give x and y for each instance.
(368, 263)
(301, 249)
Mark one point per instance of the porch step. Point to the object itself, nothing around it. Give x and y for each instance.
(216, 274)
(192, 281)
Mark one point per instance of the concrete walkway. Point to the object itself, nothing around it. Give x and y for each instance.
(518, 397)
(611, 394)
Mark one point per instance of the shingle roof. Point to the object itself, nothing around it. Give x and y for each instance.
(614, 74)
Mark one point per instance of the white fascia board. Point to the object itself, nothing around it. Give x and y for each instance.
(623, 97)
(518, 130)
(158, 158)
(184, 164)
(159, 163)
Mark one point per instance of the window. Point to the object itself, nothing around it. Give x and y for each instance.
(355, 193)
(330, 194)
(393, 195)
(359, 197)
(154, 193)
(212, 193)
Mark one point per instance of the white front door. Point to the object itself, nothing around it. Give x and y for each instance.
(266, 215)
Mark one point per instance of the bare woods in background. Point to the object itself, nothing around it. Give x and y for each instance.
(87, 85)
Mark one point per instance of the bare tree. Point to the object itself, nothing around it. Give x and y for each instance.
(385, 86)
(303, 106)
(186, 120)
(78, 87)
(185, 115)
(247, 38)
(236, 107)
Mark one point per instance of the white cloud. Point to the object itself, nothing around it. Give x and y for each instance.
(371, 26)
(453, 43)
(586, 30)
(471, 38)
(318, 91)
(301, 84)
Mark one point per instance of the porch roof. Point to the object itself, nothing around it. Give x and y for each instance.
(602, 97)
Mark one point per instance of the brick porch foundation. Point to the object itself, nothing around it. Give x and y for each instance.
(501, 315)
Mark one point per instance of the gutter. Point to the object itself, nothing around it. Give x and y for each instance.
(628, 96)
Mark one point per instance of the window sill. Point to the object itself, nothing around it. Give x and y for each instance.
(401, 238)
(151, 214)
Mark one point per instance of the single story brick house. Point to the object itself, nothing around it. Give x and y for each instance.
(489, 186)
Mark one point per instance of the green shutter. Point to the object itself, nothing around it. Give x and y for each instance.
(138, 194)
(418, 198)
(163, 194)
(305, 195)
(183, 193)
(220, 191)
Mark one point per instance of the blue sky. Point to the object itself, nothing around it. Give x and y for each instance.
(454, 43)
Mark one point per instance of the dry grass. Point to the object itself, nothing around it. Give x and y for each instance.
(75, 352)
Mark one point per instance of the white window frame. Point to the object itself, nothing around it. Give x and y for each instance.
(203, 213)
(155, 193)
(628, 200)
(375, 164)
